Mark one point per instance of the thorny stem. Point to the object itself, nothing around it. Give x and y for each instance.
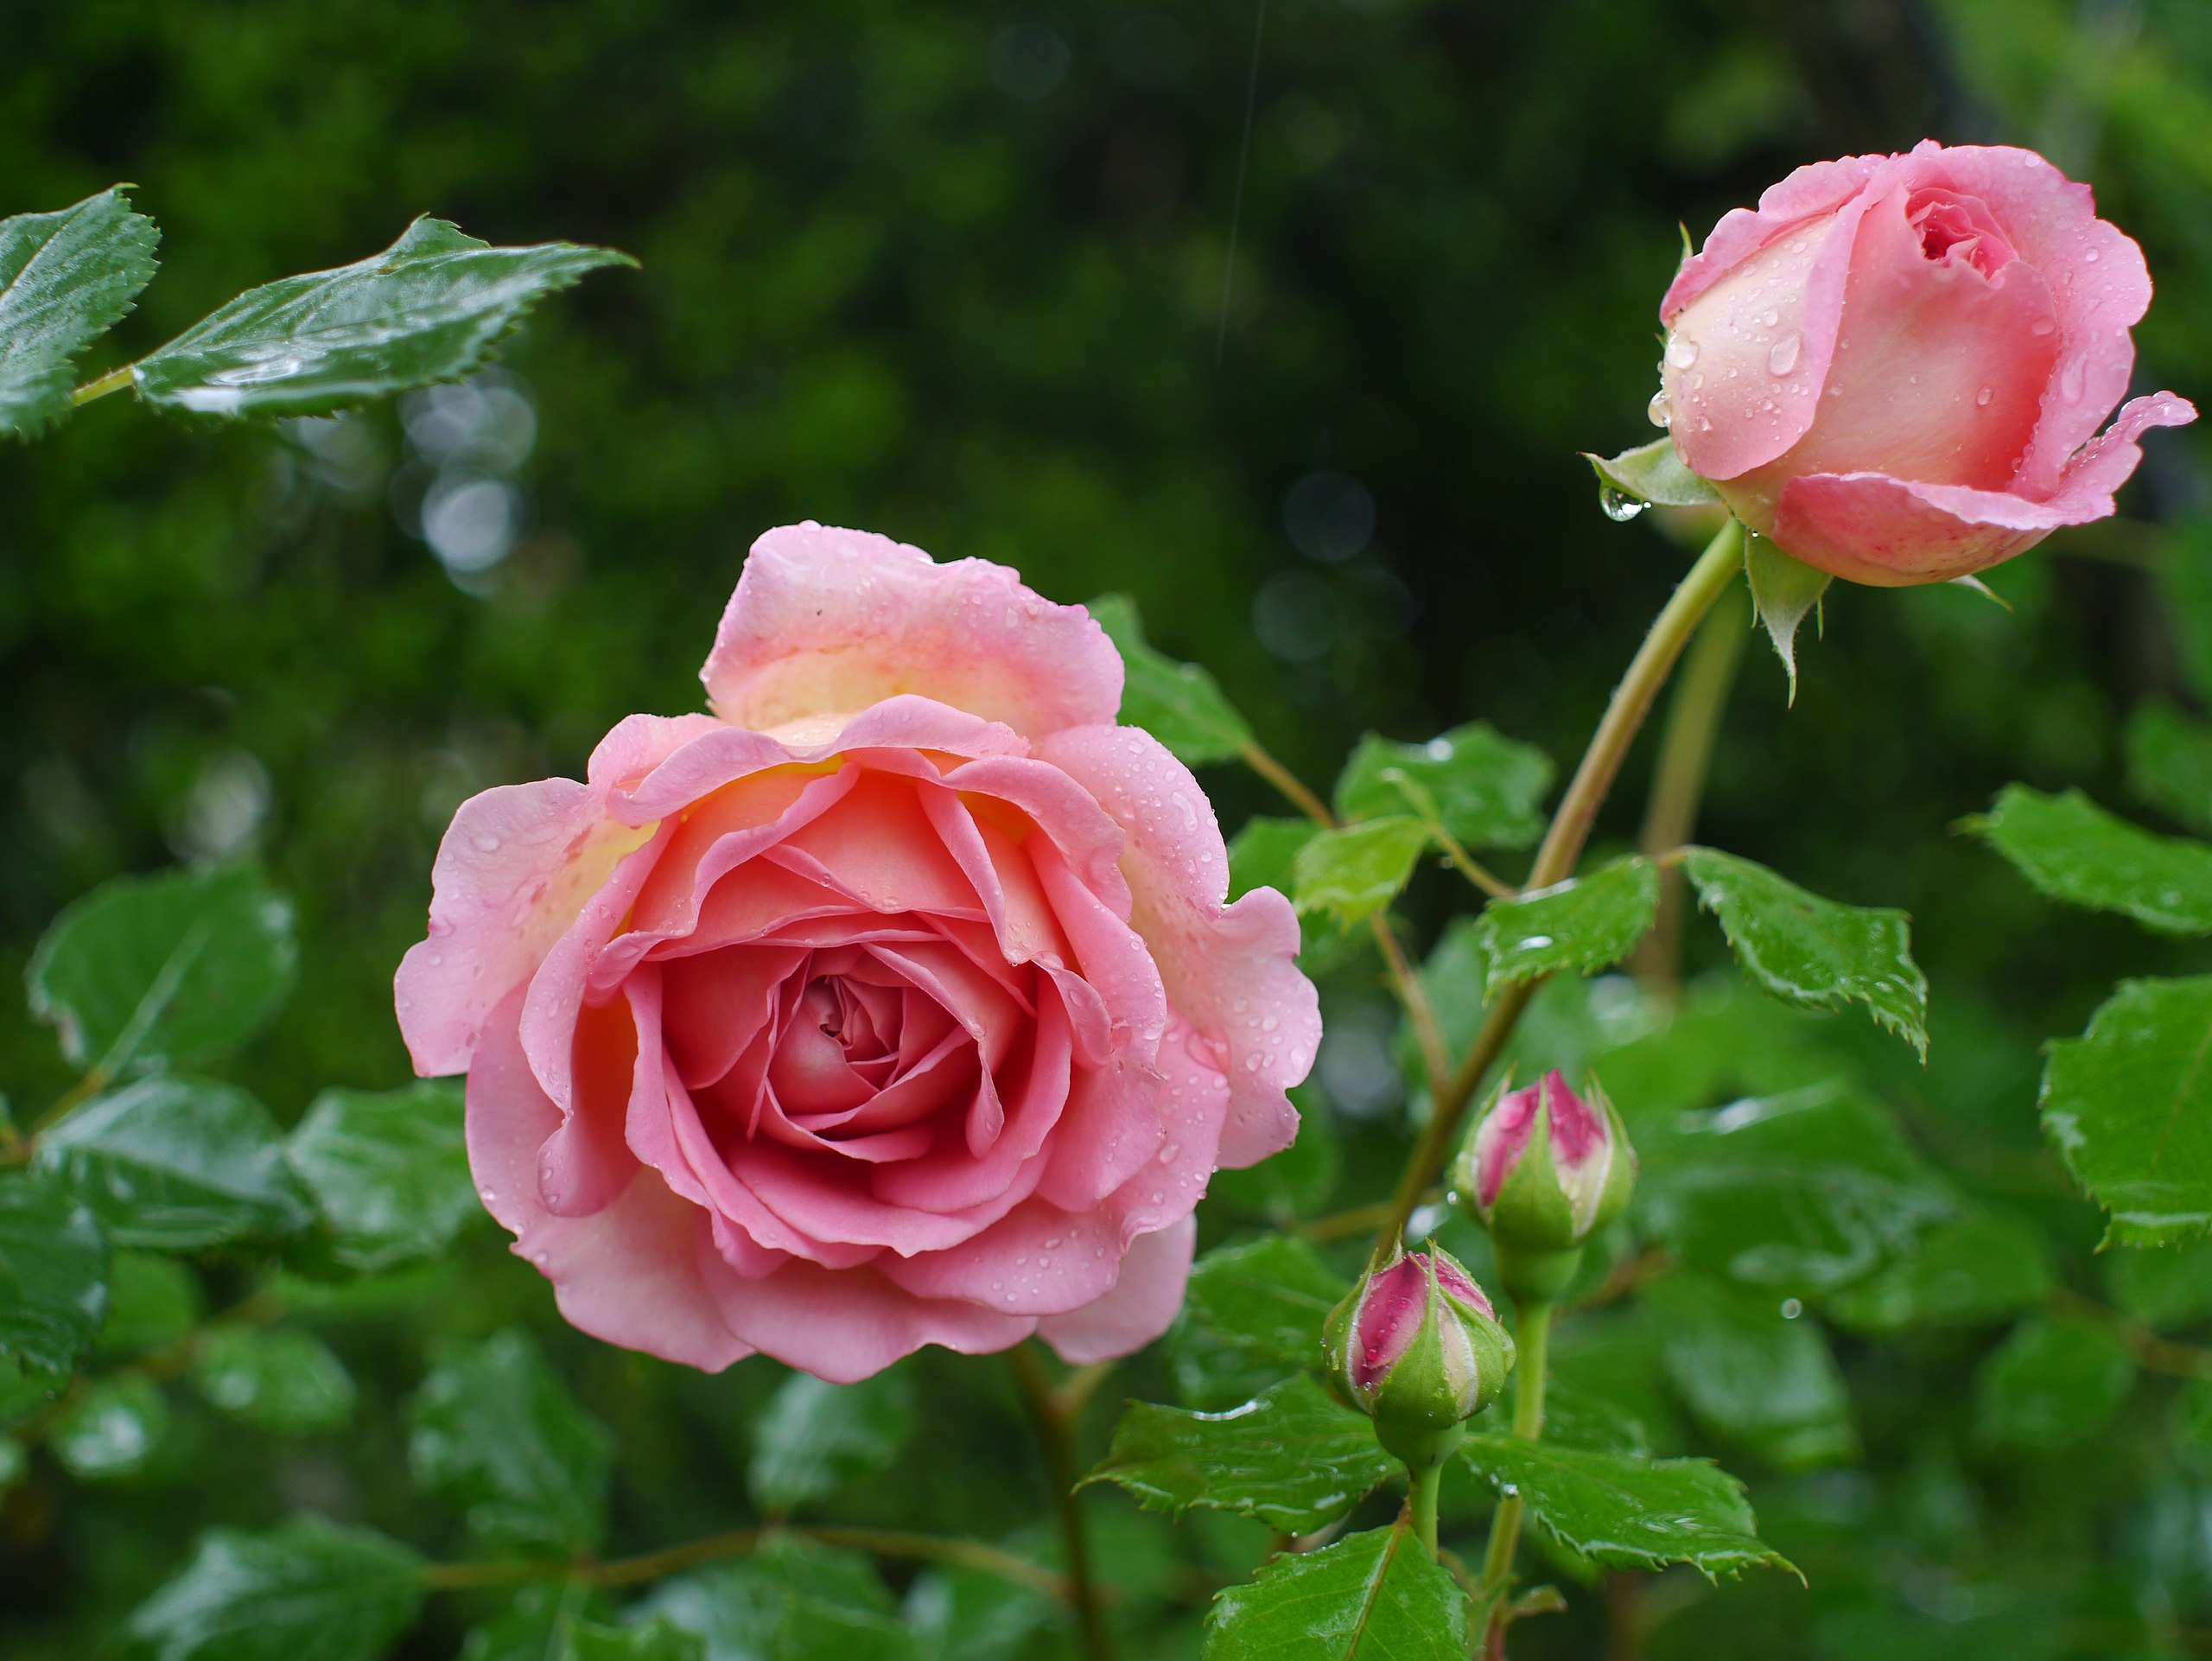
(1678, 778)
(1532, 1333)
(1056, 1435)
(653, 1565)
(1678, 619)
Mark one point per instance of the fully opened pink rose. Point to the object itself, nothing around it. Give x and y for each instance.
(1896, 366)
(895, 1002)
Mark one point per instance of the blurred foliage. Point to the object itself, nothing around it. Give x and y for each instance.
(1015, 284)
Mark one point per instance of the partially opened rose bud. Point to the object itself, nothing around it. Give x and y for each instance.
(1544, 1170)
(1417, 1348)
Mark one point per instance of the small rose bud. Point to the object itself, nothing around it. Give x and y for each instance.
(1417, 1348)
(1544, 1170)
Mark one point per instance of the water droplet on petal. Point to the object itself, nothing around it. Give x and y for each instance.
(1681, 353)
(1659, 410)
(1983, 397)
(1782, 358)
(1620, 507)
(2042, 326)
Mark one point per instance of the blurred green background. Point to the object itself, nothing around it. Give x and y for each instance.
(1025, 284)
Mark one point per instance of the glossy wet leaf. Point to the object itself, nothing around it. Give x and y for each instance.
(1264, 854)
(2056, 1383)
(2074, 851)
(153, 1301)
(2170, 763)
(1351, 873)
(1376, 1596)
(1753, 1375)
(1801, 1193)
(1584, 925)
(284, 1381)
(790, 1601)
(1179, 703)
(53, 1273)
(1621, 1512)
(1784, 592)
(495, 1431)
(307, 1590)
(428, 308)
(1250, 1314)
(110, 1430)
(1292, 1458)
(65, 279)
(1487, 789)
(656, 1639)
(1653, 472)
(816, 1438)
(387, 1170)
(2128, 1105)
(1981, 1268)
(1811, 952)
(177, 1164)
(175, 967)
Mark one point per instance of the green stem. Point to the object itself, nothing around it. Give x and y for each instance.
(114, 381)
(1678, 776)
(1705, 583)
(1427, 1485)
(1056, 1435)
(1532, 1333)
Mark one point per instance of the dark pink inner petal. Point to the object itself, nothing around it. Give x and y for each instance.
(1958, 230)
(1577, 1130)
(1387, 1319)
(1456, 1281)
(1502, 1135)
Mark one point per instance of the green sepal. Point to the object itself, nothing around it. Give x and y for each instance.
(1537, 1277)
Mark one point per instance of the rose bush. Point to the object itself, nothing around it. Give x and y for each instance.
(1895, 366)
(894, 1003)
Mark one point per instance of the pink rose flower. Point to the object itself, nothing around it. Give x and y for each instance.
(893, 1004)
(1895, 366)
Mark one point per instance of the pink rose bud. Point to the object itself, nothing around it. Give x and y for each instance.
(1895, 366)
(1417, 1348)
(1544, 1170)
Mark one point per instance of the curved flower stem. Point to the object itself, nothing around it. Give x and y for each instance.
(1706, 581)
(1426, 1486)
(1678, 778)
(1056, 1435)
(1532, 1333)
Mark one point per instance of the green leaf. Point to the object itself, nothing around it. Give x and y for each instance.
(1179, 703)
(1802, 1193)
(388, 1171)
(791, 1601)
(1584, 924)
(1292, 1184)
(1264, 854)
(657, 1640)
(307, 1590)
(286, 1382)
(1652, 472)
(2170, 764)
(2184, 580)
(816, 1438)
(534, 1627)
(1813, 952)
(177, 1164)
(1376, 1596)
(1751, 1373)
(1355, 872)
(65, 279)
(966, 1614)
(428, 308)
(1982, 1268)
(153, 1301)
(2056, 1383)
(1784, 591)
(2073, 851)
(2128, 1105)
(495, 1431)
(52, 1274)
(1608, 1387)
(2163, 1288)
(111, 1429)
(1292, 1458)
(175, 967)
(1487, 789)
(1620, 1511)
(1250, 1314)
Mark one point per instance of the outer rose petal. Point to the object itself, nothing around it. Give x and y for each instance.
(1816, 189)
(627, 1274)
(1231, 970)
(826, 622)
(1890, 532)
(1140, 1307)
